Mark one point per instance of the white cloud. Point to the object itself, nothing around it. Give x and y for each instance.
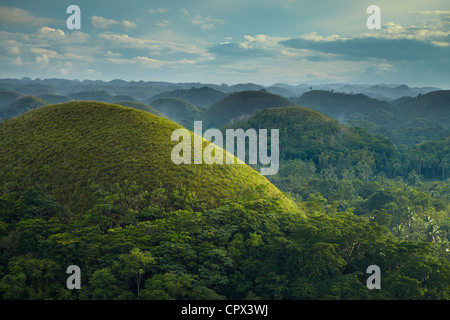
(119, 41)
(129, 25)
(43, 56)
(314, 36)
(151, 63)
(17, 16)
(103, 23)
(109, 53)
(446, 13)
(159, 10)
(162, 24)
(206, 23)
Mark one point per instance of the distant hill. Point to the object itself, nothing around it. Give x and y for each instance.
(405, 121)
(345, 107)
(310, 135)
(177, 110)
(242, 104)
(78, 149)
(101, 95)
(140, 106)
(22, 105)
(8, 97)
(395, 92)
(434, 106)
(123, 97)
(54, 98)
(202, 97)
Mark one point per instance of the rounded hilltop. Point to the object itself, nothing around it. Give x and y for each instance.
(307, 134)
(238, 105)
(76, 149)
(176, 109)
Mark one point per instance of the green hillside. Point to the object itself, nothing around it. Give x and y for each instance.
(140, 106)
(310, 135)
(240, 105)
(177, 110)
(73, 149)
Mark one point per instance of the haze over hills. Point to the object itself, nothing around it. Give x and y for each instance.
(241, 104)
(21, 105)
(417, 116)
(405, 121)
(345, 107)
(178, 110)
(142, 90)
(433, 106)
(202, 97)
(8, 97)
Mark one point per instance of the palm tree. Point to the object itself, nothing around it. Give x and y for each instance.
(443, 165)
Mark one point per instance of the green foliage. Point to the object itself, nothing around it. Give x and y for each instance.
(241, 250)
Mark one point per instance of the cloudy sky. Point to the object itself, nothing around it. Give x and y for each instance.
(232, 41)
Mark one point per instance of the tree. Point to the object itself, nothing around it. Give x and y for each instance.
(134, 265)
(13, 287)
(103, 285)
(167, 286)
(443, 165)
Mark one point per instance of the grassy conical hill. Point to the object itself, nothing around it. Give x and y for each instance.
(77, 149)
(242, 104)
